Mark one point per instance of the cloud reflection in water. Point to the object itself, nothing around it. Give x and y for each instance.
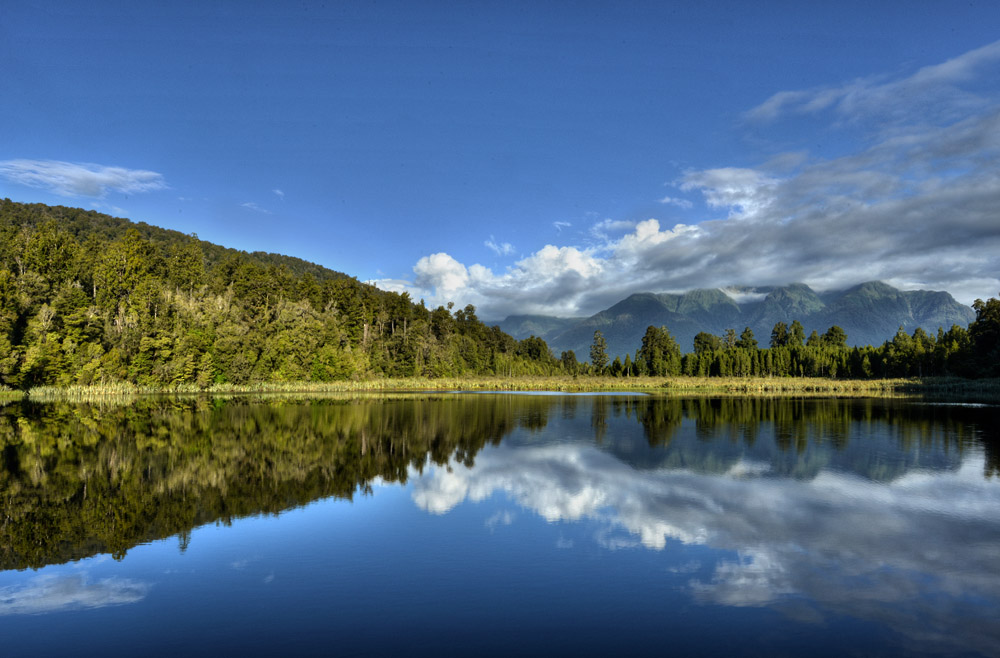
(47, 593)
(918, 553)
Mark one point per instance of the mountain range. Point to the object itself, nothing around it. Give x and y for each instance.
(870, 313)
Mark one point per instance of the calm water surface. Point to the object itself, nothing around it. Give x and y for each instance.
(499, 525)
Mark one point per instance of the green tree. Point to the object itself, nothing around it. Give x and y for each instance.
(706, 342)
(835, 337)
(984, 333)
(659, 352)
(779, 335)
(747, 341)
(796, 334)
(186, 265)
(569, 363)
(122, 267)
(599, 352)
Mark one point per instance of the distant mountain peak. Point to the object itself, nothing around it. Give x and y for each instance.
(870, 313)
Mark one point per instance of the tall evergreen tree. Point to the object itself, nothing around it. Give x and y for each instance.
(779, 335)
(659, 352)
(599, 352)
(747, 340)
(796, 334)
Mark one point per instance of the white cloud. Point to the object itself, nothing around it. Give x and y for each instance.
(250, 205)
(561, 225)
(279, 194)
(745, 191)
(742, 296)
(501, 249)
(80, 179)
(441, 272)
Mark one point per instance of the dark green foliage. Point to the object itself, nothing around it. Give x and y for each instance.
(659, 354)
(747, 341)
(835, 337)
(984, 334)
(779, 335)
(599, 352)
(569, 363)
(706, 342)
(796, 334)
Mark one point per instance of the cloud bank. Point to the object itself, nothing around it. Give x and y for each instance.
(911, 201)
(74, 179)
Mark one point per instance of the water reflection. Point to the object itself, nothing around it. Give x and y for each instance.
(77, 480)
(45, 594)
(924, 546)
(888, 511)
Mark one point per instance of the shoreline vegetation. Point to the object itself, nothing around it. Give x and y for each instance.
(724, 386)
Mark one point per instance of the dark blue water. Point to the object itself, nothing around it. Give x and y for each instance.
(499, 525)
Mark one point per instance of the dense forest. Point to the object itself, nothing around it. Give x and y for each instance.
(86, 298)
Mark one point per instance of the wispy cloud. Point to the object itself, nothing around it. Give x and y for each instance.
(680, 203)
(250, 205)
(80, 179)
(559, 226)
(501, 248)
(744, 191)
(504, 517)
(279, 194)
(941, 91)
(914, 206)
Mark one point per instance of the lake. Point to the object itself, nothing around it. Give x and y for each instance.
(500, 524)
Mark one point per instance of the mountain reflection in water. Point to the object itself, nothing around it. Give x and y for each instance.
(887, 511)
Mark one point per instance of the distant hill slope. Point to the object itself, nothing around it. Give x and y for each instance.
(90, 224)
(536, 325)
(870, 313)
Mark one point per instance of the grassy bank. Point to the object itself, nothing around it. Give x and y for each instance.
(679, 385)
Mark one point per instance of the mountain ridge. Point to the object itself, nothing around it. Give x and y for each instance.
(870, 312)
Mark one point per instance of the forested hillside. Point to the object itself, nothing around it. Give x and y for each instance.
(88, 298)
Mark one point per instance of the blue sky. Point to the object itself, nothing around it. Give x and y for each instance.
(527, 157)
